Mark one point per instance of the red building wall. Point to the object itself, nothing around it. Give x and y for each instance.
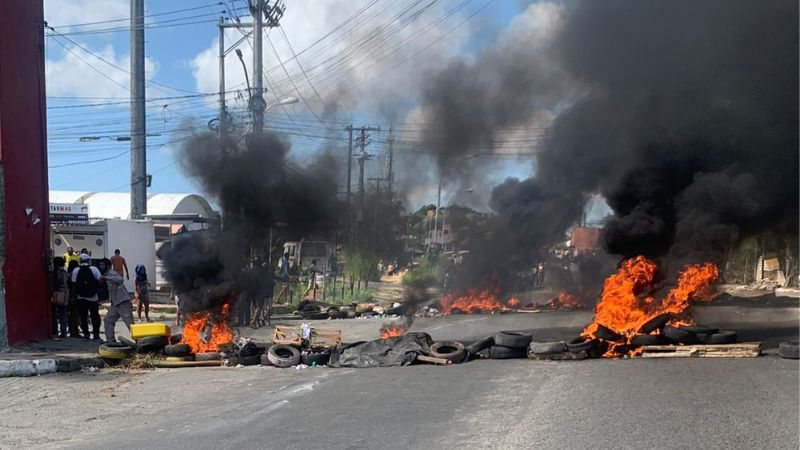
(585, 239)
(23, 155)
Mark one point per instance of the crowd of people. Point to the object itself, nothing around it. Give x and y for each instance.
(79, 288)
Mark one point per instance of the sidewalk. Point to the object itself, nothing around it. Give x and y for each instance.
(50, 356)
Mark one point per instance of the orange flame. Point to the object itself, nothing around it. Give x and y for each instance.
(473, 301)
(565, 301)
(391, 332)
(512, 302)
(200, 338)
(625, 304)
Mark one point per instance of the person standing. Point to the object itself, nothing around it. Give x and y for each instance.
(86, 279)
(73, 317)
(142, 287)
(60, 297)
(120, 307)
(540, 274)
(102, 287)
(119, 264)
(70, 256)
(313, 270)
(283, 277)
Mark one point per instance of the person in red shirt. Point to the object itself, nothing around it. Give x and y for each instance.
(118, 263)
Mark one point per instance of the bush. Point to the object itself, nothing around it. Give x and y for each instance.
(423, 276)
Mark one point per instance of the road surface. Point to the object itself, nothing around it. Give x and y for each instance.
(593, 404)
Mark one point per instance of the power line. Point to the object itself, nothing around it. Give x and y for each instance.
(125, 19)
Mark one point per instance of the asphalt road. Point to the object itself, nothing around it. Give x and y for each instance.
(636, 404)
(592, 404)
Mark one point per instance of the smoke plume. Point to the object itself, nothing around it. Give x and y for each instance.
(684, 116)
(257, 186)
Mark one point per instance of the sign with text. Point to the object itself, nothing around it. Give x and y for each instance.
(69, 213)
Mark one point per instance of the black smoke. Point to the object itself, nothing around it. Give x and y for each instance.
(683, 115)
(258, 187)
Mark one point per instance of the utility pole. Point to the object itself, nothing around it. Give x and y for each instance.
(257, 103)
(389, 164)
(223, 113)
(138, 123)
(362, 157)
(349, 129)
(261, 10)
(436, 213)
(375, 226)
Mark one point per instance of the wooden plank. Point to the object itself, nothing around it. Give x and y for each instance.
(433, 360)
(742, 350)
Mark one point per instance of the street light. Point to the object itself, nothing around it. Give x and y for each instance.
(111, 138)
(282, 102)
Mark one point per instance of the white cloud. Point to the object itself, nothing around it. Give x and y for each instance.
(363, 79)
(60, 13)
(69, 76)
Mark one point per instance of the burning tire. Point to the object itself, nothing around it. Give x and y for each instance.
(177, 350)
(680, 335)
(656, 323)
(581, 344)
(723, 337)
(648, 339)
(450, 350)
(321, 357)
(251, 349)
(479, 345)
(607, 334)
(208, 356)
(547, 348)
(512, 339)
(283, 356)
(113, 350)
(151, 344)
(789, 350)
(501, 352)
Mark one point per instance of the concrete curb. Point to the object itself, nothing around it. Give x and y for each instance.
(31, 367)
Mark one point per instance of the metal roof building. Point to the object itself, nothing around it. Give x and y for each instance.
(117, 205)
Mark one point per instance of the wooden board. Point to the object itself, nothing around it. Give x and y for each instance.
(292, 335)
(743, 350)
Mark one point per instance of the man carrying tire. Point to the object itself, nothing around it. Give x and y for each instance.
(86, 279)
(120, 307)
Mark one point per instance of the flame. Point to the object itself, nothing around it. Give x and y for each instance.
(565, 301)
(204, 338)
(473, 301)
(625, 303)
(391, 332)
(512, 302)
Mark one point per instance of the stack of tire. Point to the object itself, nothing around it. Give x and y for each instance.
(502, 345)
(284, 356)
(114, 352)
(150, 337)
(452, 351)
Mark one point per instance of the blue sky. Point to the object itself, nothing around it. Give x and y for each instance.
(87, 95)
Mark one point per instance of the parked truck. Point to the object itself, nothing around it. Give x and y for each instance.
(134, 238)
(304, 251)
